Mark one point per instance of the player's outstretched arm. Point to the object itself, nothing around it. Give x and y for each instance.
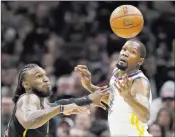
(31, 116)
(94, 98)
(86, 78)
(140, 103)
(86, 81)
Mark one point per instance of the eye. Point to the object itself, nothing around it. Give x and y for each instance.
(38, 76)
(124, 49)
(133, 52)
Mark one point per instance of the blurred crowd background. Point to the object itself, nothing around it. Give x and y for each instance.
(60, 35)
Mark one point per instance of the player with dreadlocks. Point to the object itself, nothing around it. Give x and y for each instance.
(32, 112)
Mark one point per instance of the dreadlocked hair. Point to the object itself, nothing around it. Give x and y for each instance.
(20, 89)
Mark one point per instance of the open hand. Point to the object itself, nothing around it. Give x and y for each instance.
(85, 75)
(124, 87)
(97, 96)
(75, 109)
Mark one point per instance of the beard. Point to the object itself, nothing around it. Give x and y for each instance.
(40, 93)
(122, 66)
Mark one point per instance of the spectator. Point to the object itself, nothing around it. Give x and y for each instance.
(65, 85)
(7, 107)
(156, 130)
(83, 122)
(166, 100)
(60, 35)
(165, 119)
(105, 133)
(150, 68)
(64, 127)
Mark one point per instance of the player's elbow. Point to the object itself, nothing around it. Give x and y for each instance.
(30, 124)
(25, 124)
(145, 117)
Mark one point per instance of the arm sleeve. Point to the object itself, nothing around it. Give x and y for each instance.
(78, 101)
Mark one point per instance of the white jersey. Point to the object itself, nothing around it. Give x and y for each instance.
(121, 119)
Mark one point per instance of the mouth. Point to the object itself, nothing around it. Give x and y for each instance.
(47, 85)
(122, 60)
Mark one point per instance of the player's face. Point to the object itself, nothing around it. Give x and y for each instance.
(129, 56)
(38, 82)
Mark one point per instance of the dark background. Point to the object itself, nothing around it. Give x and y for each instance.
(60, 35)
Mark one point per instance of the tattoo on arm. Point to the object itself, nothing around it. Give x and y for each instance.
(29, 113)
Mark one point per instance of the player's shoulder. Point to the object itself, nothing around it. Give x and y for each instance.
(140, 76)
(142, 82)
(28, 98)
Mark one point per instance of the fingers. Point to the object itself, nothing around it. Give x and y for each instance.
(127, 81)
(82, 110)
(75, 109)
(121, 84)
(130, 82)
(104, 91)
(107, 95)
(118, 86)
(84, 72)
(104, 87)
(102, 106)
(82, 66)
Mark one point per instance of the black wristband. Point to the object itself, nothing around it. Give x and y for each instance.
(83, 101)
(78, 101)
(88, 99)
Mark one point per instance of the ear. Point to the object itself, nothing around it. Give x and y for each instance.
(141, 61)
(25, 84)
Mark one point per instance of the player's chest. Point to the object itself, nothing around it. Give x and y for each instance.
(114, 91)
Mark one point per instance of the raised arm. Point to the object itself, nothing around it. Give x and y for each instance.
(31, 116)
(140, 104)
(137, 96)
(78, 101)
(86, 81)
(94, 98)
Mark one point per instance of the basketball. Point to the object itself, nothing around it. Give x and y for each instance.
(126, 21)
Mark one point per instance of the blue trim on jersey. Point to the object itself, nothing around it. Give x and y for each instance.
(141, 77)
(130, 75)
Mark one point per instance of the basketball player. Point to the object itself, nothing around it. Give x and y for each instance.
(32, 112)
(130, 93)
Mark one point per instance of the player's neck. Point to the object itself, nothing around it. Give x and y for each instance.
(31, 92)
(120, 73)
(130, 72)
